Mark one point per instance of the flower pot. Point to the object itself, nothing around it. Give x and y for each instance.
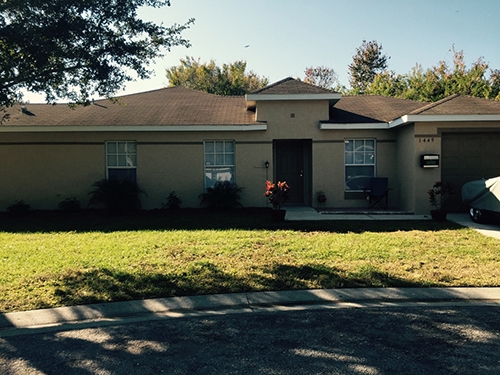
(278, 215)
(438, 215)
(321, 198)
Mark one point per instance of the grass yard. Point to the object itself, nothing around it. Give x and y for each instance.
(48, 260)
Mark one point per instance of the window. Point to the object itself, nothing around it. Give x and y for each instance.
(219, 162)
(359, 158)
(121, 160)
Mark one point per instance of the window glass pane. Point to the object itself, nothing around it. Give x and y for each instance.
(111, 147)
(209, 159)
(370, 158)
(121, 147)
(131, 161)
(219, 159)
(358, 177)
(122, 160)
(112, 161)
(229, 146)
(219, 147)
(349, 145)
(370, 144)
(212, 175)
(359, 158)
(122, 174)
(359, 145)
(209, 147)
(349, 158)
(229, 159)
(131, 147)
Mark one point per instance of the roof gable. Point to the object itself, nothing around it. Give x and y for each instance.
(291, 89)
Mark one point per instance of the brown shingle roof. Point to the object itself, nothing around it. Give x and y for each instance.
(289, 86)
(460, 105)
(170, 106)
(371, 109)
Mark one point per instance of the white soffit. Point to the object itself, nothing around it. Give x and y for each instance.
(251, 99)
(406, 119)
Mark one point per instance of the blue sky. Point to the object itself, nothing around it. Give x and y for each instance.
(286, 36)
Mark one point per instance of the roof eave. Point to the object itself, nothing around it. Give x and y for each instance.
(408, 119)
(252, 99)
(121, 128)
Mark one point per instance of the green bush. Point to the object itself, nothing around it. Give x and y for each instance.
(69, 205)
(19, 208)
(116, 196)
(224, 195)
(173, 202)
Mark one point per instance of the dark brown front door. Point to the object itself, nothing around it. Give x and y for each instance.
(292, 159)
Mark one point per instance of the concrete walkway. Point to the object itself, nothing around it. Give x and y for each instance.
(297, 213)
(294, 213)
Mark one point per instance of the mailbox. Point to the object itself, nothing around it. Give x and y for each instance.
(429, 161)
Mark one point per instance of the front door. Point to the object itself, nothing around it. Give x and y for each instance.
(292, 161)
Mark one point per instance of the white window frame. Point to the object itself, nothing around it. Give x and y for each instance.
(125, 155)
(218, 159)
(362, 158)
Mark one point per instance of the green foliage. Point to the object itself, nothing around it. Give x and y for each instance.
(224, 195)
(173, 202)
(230, 79)
(101, 259)
(72, 48)
(19, 208)
(439, 81)
(321, 76)
(366, 64)
(69, 205)
(117, 196)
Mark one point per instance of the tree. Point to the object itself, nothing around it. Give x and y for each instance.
(321, 76)
(230, 79)
(366, 64)
(439, 81)
(72, 48)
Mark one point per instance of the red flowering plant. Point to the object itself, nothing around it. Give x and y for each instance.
(277, 193)
(439, 193)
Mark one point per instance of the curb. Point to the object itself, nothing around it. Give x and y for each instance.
(114, 312)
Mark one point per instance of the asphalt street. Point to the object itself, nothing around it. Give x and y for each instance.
(450, 337)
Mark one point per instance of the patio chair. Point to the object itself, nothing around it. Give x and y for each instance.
(379, 192)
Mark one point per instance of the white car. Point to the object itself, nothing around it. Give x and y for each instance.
(482, 198)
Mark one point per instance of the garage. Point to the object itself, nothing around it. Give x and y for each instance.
(467, 156)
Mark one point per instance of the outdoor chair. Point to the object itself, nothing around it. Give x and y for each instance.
(379, 192)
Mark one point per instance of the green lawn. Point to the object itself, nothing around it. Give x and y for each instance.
(50, 260)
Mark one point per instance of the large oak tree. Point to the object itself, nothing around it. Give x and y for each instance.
(72, 49)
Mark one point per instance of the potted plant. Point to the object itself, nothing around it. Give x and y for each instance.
(277, 194)
(321, 196)
(439, 193)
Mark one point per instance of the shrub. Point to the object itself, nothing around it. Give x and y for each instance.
(69, 205)
(117, 196)
(173, 202)
(19, 208)
(223, 195)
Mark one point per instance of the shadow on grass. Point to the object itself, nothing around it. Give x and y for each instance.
(198, 219)
(105, 285)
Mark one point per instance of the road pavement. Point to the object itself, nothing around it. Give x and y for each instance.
(336, 331)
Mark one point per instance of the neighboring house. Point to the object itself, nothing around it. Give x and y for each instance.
(183, 140)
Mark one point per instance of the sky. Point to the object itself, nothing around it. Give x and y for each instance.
(280, 38)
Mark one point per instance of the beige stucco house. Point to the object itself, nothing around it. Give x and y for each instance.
(183, 140)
